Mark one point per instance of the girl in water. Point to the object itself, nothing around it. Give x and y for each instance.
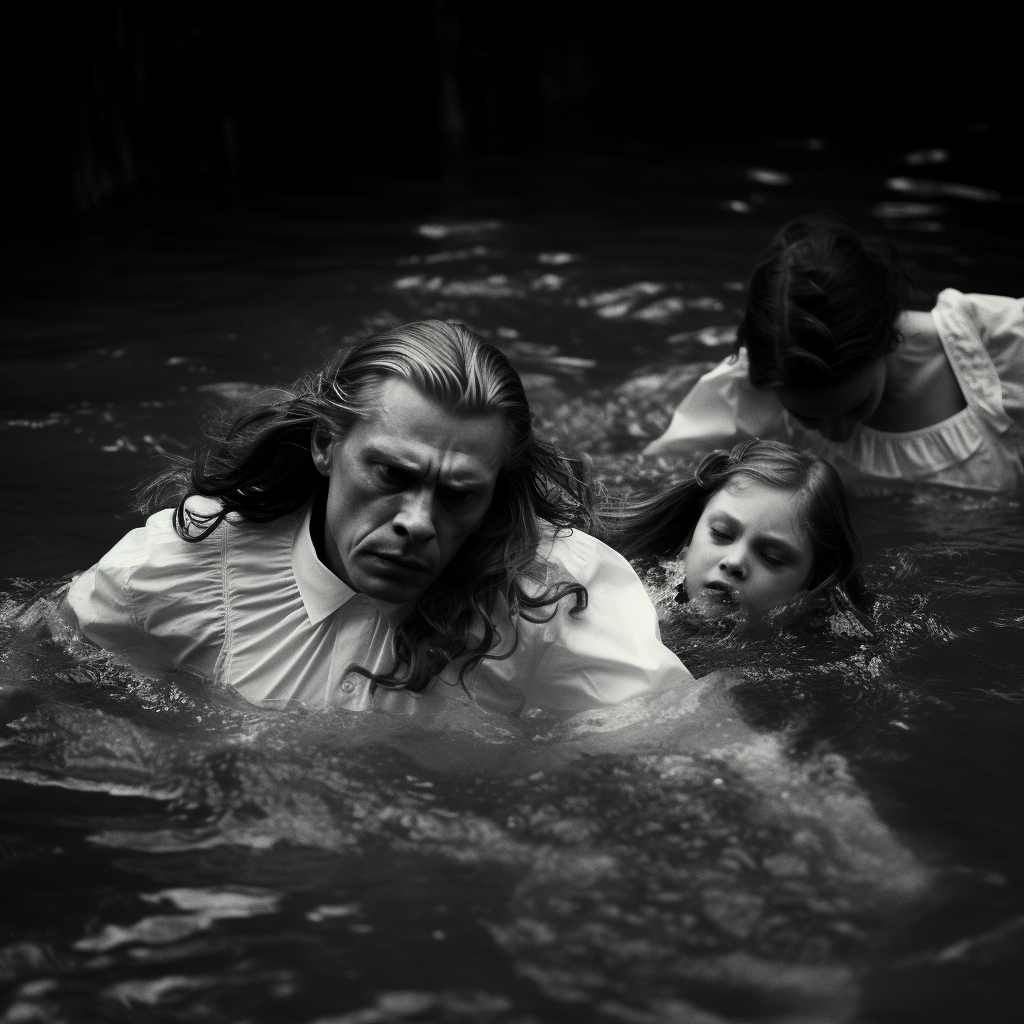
(756, 527)
(829, 361)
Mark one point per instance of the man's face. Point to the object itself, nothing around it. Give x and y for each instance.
(408, 484)
(837, 410)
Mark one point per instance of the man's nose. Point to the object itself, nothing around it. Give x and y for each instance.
(415, 518)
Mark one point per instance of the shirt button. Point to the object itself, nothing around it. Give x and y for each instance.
(348, 686)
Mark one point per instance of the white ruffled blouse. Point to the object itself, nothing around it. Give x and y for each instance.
(254, 607)
(978, 448)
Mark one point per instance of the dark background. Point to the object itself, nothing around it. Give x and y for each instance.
(205, 197)
(118, 110)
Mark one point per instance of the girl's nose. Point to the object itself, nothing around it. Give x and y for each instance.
(734, 564)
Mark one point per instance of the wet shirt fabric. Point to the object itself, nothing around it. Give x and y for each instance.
(253, 606)
(978, 448)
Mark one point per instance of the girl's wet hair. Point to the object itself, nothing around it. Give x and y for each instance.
(822, 305)
(662, 525)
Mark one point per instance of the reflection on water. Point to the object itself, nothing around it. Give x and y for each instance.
(649, 857)
(823, 832)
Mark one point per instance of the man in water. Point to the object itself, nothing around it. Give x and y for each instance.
(390, 526)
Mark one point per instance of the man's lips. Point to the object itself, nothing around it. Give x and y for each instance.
(403, 563)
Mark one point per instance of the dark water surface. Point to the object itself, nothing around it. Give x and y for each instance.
(835, 838)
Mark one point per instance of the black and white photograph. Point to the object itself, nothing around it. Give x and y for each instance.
(511, 514)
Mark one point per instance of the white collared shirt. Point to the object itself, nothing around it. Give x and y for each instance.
(254, 607)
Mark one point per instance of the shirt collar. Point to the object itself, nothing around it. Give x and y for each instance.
(321, 591)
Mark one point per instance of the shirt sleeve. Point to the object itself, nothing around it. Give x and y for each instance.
(722, 409)
(155, 600)
(1000, 323)
(603, 654)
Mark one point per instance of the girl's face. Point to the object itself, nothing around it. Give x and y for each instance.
(750, 552)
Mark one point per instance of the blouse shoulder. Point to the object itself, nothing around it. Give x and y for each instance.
(600, 651)
(155, 597)
(722, 408)
(582, 556)
(986, 333)
(154, 555)
(998, 321)
(990, 314)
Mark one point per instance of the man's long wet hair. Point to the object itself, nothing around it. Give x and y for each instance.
(259, 467)
(822, 304)
(663, 524)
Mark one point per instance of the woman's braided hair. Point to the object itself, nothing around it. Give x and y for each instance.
(822, 304)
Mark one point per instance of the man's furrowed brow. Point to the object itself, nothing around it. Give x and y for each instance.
(421, 464)
(463, 477)
(397, 455)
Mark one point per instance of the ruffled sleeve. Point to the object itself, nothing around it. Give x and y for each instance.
(722, 409)
(999, 322)
(156, 600)
(603, 654)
